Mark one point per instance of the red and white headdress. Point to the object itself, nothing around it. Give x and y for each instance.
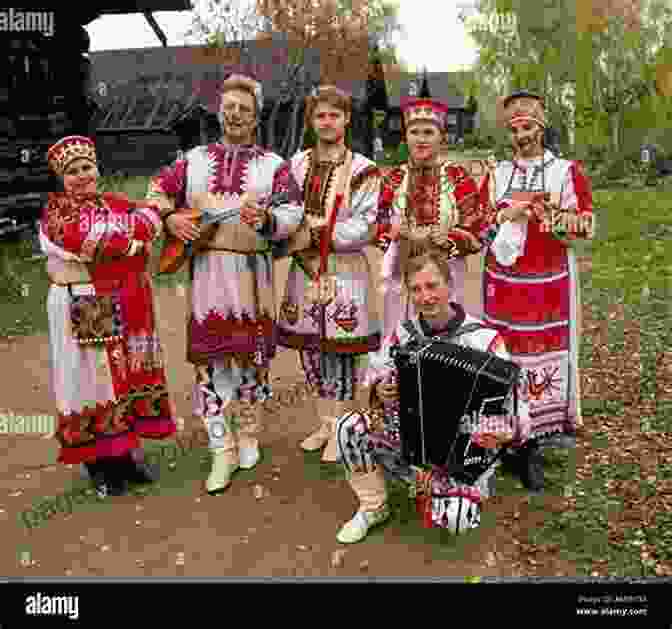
(68, 149)
(516, 108)
(424, 110)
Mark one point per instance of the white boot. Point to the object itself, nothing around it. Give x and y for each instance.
(373, 508)
(225, 458)
(249, 422)
(330, 412)
(248, 452)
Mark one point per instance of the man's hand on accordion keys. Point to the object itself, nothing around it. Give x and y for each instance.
(492, 440)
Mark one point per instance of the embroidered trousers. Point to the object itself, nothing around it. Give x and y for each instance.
(365, 442)
(229, 398)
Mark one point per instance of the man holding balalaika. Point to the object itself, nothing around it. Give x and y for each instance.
(443, 410)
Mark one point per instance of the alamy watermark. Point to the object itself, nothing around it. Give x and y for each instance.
(13, 424)
(20, 21)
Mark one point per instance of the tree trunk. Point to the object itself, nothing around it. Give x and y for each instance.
(271, 125)
(291, 140)
(615, 136)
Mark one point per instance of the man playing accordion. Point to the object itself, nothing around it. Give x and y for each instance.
(369, 440)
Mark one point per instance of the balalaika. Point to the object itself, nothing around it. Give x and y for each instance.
(444, 390)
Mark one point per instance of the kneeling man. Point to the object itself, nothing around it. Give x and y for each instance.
(368, 441)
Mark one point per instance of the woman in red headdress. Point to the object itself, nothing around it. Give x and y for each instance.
(426, 204)
(530, 280)
(107, 363)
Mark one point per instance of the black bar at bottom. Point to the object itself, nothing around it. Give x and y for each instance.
(523, 604)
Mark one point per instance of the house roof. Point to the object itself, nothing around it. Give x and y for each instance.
(151, 87)
(97, 8)
(442, 86)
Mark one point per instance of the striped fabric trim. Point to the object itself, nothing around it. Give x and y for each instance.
(528, 279)
(515, 327)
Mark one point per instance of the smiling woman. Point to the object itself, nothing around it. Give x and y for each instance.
(107, 364)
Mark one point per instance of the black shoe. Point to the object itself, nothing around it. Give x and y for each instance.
(142, 473)
(531, 468)
(137, 470)
(108, 478)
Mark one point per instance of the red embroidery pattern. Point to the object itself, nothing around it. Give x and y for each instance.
(423, 193)
(345, 316)
(546, 383)
(172, 179)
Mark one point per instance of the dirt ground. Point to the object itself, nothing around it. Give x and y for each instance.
(290, 531)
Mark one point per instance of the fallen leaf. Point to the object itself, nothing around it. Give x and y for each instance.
(259, 492)
(302, 548)
(104, 548)
(491, 560)
(364, 565)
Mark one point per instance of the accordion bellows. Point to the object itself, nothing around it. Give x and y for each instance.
(445, 389)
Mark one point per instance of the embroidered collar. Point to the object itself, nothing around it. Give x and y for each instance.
(424, 168)
(247, 150)
(336, 162)
(453, 325)
(537, 163)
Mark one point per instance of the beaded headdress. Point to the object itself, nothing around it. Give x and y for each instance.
(425, 110)
(521, 106)
(68, 149)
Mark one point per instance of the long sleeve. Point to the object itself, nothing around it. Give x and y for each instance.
(576, 199)
(109, 231)
(168, 188)
(357, 231)
(384, 212)
(381, 368)
(147, 224)
(474, 221)
(287, 217)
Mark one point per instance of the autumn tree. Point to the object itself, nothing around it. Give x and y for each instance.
(595, 62)
(336, 36)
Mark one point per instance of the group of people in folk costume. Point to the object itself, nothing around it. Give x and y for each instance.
(321, 208)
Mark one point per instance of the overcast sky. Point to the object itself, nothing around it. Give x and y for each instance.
(434, 36)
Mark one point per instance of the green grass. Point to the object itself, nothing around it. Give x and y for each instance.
(632, 266)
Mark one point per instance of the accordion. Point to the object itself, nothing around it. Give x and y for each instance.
(445, 390)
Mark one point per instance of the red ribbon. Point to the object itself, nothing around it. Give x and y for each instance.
(328, 233)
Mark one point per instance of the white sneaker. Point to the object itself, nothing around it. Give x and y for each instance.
(248, 457)
(358, 528)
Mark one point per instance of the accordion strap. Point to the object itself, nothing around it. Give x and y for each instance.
(465, 329)
(468, 329)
